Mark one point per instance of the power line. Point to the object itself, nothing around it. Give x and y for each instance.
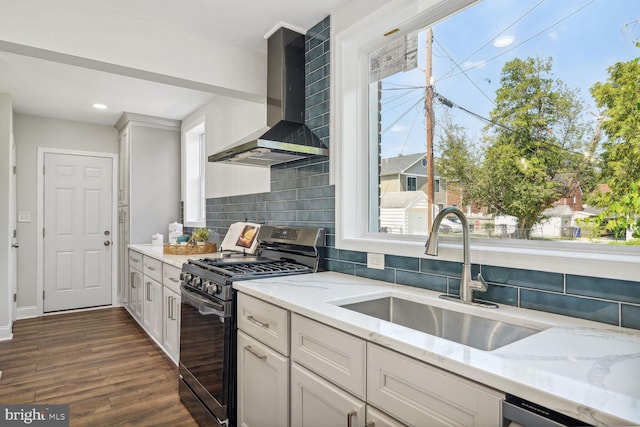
(533, 36)
(464, 72)
(494, 37)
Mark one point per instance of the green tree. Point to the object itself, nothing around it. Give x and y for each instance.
(531, 157)
(620, 96)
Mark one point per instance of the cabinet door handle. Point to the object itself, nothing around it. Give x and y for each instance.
(150, 268)
(132, 281)
(173, 279)
(149, 291)
(350, 416)
(168, 307)
(255, 353)
(257, 322)
(173, 308)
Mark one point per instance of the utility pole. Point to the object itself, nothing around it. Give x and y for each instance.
(429, 124)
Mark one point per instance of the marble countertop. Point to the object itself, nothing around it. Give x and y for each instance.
(584, 369)
(155, 251)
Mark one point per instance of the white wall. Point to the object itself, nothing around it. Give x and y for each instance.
(5, 173)
(226, 121)
(103, 34)
(30, 133)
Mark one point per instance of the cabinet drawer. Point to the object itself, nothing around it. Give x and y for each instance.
(419, 394)
(152, 268)
(171, 277)
(135, 260)
(265, 322)
(335, 355)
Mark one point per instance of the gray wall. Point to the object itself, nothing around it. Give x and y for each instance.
(32, 132)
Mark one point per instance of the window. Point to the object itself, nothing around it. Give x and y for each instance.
(412, 183)
(383, 112)
(193, 171)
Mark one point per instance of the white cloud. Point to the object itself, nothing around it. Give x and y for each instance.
(553, 35)
(398, 128)
(503, 41)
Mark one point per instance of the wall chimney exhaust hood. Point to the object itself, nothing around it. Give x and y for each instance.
(286, 138)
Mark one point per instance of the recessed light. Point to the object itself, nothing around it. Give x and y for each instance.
(99, 106)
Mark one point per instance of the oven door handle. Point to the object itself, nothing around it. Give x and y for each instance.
(189, 296)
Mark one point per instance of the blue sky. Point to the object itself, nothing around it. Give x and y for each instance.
(583, 37)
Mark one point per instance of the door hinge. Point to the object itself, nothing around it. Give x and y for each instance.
(15, 297)
(14, 170)
(43, 295)
(43, 232)
(15, 233)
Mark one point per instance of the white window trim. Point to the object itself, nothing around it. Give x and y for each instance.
(350, 160)
(186, 129)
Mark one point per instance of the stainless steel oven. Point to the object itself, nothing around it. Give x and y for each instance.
(207, 368)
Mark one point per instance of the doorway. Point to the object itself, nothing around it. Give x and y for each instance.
(77, 230)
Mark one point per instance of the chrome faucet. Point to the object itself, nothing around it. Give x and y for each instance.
(467, 285)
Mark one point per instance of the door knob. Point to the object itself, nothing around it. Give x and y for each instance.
(15, 245)
(107, 242)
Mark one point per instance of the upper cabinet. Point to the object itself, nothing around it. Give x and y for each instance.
(149, 184)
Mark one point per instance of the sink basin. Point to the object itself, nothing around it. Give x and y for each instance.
(474, 331)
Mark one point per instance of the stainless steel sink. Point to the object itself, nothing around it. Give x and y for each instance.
(463, 328)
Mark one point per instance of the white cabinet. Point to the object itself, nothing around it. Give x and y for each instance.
(318, 403)
(263, 384)
(154, 300)
(263, 363)
(148, 183)
(135, 285)
(171, 311)
(332, 354)
(419, 394)
(152, 308)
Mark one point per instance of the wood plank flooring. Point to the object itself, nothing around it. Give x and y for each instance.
(100, 362)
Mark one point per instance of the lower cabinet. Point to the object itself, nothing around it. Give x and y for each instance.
(419, 394)
(263, 385)
(318, 403)
(152, 308)
(171, 324)
(154, 300)
(337, 379)
(135, 294)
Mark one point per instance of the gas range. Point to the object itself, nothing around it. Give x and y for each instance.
(281, 251)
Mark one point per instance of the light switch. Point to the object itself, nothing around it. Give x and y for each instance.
(24, 216)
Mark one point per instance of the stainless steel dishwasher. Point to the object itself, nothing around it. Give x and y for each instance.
(517, 412)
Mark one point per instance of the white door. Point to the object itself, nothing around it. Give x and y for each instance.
(77, 231)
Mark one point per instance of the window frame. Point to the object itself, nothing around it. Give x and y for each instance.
(415, 182)
(354, 36)
(195, 128)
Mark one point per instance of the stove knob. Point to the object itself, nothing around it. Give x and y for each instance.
(185, 277)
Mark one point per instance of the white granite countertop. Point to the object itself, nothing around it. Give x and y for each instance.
(155, 251)
(583, 369)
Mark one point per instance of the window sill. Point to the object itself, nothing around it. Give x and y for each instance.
(581, 259)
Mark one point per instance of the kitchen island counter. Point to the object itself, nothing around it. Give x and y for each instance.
(583, 369)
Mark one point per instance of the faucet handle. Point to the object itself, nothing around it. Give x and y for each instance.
(479, 285)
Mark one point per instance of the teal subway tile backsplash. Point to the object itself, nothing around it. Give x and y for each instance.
(301, 196)
(585, 308)
(618, 290)
(524, 278)
(630, 316)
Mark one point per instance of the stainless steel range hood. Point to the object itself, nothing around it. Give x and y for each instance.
(286, 137)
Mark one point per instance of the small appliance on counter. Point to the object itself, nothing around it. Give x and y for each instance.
(175, 231)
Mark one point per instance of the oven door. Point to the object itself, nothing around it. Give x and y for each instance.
(207, 350)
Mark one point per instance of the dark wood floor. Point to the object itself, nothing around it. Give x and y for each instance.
(100, 362)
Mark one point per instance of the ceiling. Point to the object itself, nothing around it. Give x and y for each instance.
(53, 84)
